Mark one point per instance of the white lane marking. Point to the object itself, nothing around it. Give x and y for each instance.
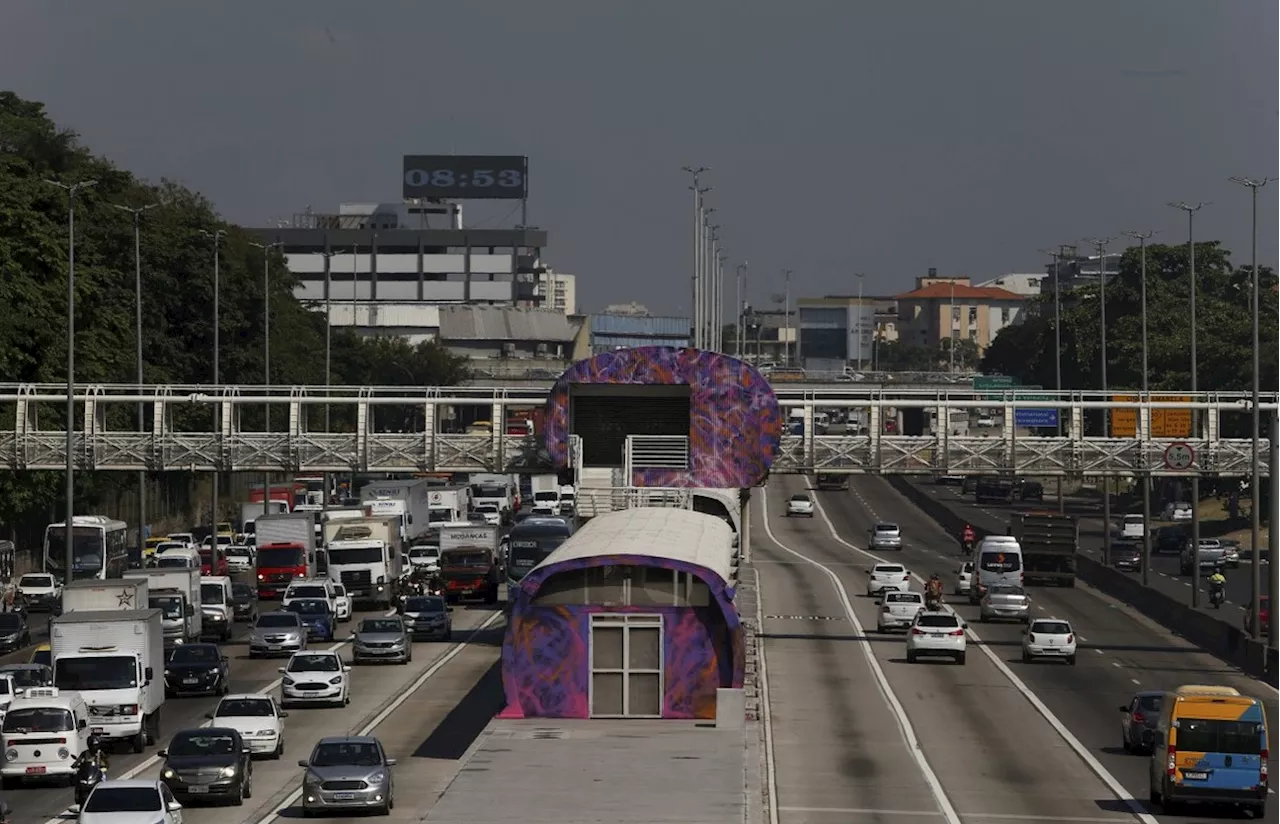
(392, 707)
(899, 712)
(1100, 652)
(1123, 795)
(766, 713)
(858, 811)
(1135, 680)
(968, 816)
(154, 759)
(1116, 664)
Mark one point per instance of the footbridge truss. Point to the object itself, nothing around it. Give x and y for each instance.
(402, 429)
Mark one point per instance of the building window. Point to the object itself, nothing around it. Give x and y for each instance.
(1004, 315)
(973, 315)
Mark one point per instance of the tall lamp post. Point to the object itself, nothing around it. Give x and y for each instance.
(708, 271)
(1142, 238)
(1255, 479)
(216, 236)
(328, 340)
(1195, 478)
(71, 189)
(698, 192)
(860, 276)
(738, 313)
(266, 352)
(1100, 244)
(137, 213)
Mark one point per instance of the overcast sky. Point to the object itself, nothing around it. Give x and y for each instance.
(874, 136)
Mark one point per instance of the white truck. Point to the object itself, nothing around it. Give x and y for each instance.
(251, 512)
(453, 536)
(499, 491)
(410, 501)
(546, 491)
(115, 660)
(365, 557)
(175, 592)
(104, 596)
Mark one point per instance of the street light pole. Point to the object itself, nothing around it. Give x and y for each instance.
(328, 339)
(951, 324)
(860, 276)
(1100, 244)
(137, 213)
(216, 235)
(708, 266)
(1195, 478)
(71, 189)
(737, 311)
(266, 353)
(719, 313)
(786, 316)
(698, 192)
(1142, 238)
(1255, 478)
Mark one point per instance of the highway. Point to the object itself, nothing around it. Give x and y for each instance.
(444, 673)
(998, 740)
(1165, 573)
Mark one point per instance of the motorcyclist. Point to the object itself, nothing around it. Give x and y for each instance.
(94, 753)
(933, 590)
(968, 536)
(435, 584)
(1217, 581)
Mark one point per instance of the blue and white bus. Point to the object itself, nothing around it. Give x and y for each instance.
(529, 543)
(99, 548)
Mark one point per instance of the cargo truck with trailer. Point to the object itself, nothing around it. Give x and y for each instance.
(1049, 543)
(115, 660)
(104, 596)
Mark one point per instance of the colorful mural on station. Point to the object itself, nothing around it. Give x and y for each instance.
(546, 651)
(735, 425)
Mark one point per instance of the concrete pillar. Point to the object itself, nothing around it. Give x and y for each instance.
(744, 522)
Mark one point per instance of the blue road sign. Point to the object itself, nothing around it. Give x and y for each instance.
(1035, 417)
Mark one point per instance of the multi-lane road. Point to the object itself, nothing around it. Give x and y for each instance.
(856, 733)
(1165, 576)
(423, 712)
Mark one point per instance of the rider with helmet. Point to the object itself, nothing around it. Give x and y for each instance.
(1217, 581)
(968, 537)
(933, 589)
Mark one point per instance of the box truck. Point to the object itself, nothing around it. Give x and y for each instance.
(365, 557)
(115, 660)
(175, 591)
(285, 545)
(102, 596)
(410, 501)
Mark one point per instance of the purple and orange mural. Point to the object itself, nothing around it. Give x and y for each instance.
(735, 423)
(546, 656)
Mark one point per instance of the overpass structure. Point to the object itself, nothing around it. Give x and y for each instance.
(399, 429)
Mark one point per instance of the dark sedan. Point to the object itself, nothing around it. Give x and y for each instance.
(208, 763)
(1138, 720)
(197, 669)
(1126, 555)
(244, 600)
(14, 633)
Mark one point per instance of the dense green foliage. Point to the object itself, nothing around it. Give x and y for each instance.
(177, 295)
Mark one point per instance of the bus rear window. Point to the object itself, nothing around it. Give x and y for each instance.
(1213, 735)
(1000, 562)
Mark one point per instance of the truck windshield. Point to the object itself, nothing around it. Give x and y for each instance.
(488, 491)
(95, 673)
(38, 719)
(355, 555)
(276, 557)
(439, 516)
(170, 606)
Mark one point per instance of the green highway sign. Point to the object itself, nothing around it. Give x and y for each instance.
(988, 382)
(1019, 394)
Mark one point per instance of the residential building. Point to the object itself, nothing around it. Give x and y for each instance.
(556, 290)
(952, 308)
(1027, 285)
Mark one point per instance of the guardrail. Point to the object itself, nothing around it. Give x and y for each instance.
(593, 501)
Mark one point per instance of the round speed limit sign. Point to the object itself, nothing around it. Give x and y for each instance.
(1179, 456)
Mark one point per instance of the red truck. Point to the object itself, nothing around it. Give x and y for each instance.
(213, 561)
(278, 564)
(289, 493)
(470, 572)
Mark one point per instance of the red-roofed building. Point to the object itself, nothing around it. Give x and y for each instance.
(942, 307)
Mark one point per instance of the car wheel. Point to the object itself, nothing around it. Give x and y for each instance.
(1071, 659)
(960, 658)
(279, 749)
(139, 742)
(248, 788)
(911, 657)
(1026, 658)
(238, 798)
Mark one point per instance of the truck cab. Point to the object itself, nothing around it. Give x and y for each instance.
(278, 564)
(177, 615)
(217, 605)
(369, 568)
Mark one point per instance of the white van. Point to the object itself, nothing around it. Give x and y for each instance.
(44, 732)
(178, 559)
(218, 606)
(998, 562)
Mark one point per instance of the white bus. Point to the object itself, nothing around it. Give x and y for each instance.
(99, 549)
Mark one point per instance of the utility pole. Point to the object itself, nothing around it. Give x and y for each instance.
(708, 272)
(951, 327)
(137, 213)
(739, 310)
(1255, 475)
(217, 235)
(1142, 238)
(266, 354)
(860, 276)
(698, 192)
(718, 315)
(1195, 478)
(71, 189)
(786, 316)
(1100, 244)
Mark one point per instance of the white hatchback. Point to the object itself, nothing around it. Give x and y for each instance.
(257, 718)
(315, 678)
(964, 578)
(800, 505)
(1049, 638)
(936, 633)
(898, 610)
(893, 577)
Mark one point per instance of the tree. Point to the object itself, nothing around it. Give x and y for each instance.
(177, 273)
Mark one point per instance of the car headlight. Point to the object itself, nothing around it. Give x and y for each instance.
(336, 680)
(214, 670)
(288, 682)
(377, 778)
(11, 754)
(228, 772)
(64, 753)
(265, 732)
(168, 773)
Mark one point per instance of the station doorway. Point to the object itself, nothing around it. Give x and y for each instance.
(603, 415)
(626, 666)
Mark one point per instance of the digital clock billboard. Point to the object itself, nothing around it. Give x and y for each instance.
(466, 177)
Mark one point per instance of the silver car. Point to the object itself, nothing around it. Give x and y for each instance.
(1005, 603)
(427, 616)
(886, 536)
(348, 773)
(277, 634)
(381, 639)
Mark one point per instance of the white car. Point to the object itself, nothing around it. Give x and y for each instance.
(257, 718)
(187, 539)
(39, 590)
(1049, 638)
(800, 505)
(986, 422)
(425, 557)
(341, 603)
(314, 589)
(239, 558)
(964, 578)
(1178, 511)
(1132, 527)
(130, 802)
(543, 511)
(315, 678)
(892, 577)
(898, 610)
(938, 633)
(491, 514)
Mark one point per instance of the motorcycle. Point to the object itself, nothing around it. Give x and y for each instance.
(89, 774)
(966, 547)
(1217, 594)
(932, 601)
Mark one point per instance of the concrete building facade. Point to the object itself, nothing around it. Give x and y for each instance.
(939, 308)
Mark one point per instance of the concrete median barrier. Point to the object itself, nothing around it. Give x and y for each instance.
(1214, 636)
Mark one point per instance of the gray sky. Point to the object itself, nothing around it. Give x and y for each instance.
(876, 136)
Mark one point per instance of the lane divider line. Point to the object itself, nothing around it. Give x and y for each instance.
(153, 759)
(1135, 806)
(766, 712)
(394, 705)
(882, 681)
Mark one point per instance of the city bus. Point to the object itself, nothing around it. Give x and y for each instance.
(99, 548)
(529, 543)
